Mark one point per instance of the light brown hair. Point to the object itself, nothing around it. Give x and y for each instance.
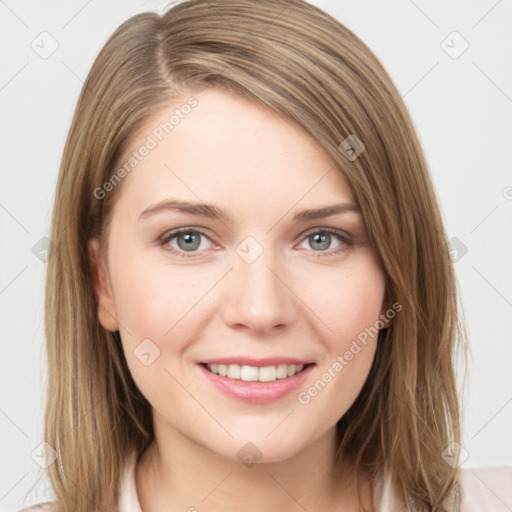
(306, 66)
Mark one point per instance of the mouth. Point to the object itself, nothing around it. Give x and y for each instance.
(248, 373)
(256, 384)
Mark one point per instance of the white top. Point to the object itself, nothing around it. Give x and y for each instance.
(483, 490)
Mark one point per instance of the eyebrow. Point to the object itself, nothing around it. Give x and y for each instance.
(214, 212)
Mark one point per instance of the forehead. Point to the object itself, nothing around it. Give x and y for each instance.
(217, 147)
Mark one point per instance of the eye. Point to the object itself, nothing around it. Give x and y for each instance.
(188, 242)
(326, 241)
(185, 241)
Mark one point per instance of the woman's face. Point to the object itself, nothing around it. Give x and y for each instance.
(271, 268)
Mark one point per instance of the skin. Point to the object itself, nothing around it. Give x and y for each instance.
(295, 299)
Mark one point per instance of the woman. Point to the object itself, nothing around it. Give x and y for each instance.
(251, 303)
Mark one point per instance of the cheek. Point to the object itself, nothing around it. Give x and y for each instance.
(151, 297)
(346, 301)
(155, 305)
(161, 309)
(348, 307)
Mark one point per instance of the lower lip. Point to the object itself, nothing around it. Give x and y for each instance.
(257, 392)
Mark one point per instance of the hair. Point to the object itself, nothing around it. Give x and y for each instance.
(306, 66)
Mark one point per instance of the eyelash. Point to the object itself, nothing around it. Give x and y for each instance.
(168, 236)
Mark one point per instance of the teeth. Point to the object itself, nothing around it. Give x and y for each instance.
(254, 373)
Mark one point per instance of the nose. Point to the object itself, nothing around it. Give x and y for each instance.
(258, 297)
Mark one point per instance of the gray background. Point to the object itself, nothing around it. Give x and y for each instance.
(461, 104)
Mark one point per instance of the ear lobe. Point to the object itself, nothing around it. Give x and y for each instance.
(101, 286)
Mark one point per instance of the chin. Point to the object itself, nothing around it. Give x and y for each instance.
(250, 450)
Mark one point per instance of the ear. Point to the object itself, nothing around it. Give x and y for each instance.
(102, 289)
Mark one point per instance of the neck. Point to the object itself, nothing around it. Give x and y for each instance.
(178, 474)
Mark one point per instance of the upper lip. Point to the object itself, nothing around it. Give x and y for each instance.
(252, 361)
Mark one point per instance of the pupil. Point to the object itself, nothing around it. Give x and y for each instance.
(322, 239)
(192, 241)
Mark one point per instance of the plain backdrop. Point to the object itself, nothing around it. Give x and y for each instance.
(451, 63)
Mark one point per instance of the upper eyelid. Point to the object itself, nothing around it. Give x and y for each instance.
(169, 235)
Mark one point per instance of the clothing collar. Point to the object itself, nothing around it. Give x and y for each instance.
(128, 498)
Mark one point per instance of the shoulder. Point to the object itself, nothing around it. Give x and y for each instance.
(128, 500)
(486, 489)
(40, 507)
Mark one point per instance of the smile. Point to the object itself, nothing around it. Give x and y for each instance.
(255, 384)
